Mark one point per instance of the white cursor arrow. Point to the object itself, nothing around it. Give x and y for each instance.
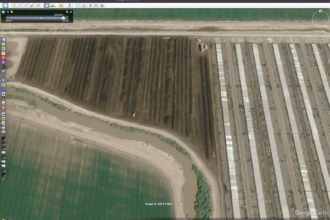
(63, 18)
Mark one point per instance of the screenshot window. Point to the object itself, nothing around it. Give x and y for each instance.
(148, 109)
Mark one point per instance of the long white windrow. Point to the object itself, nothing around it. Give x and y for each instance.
(229, 143)
(311, 120)
(322, 71)
(295, 133)
(276, 161)
(254, 156)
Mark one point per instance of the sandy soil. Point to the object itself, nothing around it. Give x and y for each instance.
(161, 160)
(178, 26)
(195, 158)
(17, 48)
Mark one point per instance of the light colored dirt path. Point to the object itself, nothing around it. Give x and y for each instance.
(169, 26)
(269, 34)
(195, 158)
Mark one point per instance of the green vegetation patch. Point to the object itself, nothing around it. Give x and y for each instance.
(50, 177)
(54, 104)
(192, 14)
(203, 205)
(23, 90)
(27, 100)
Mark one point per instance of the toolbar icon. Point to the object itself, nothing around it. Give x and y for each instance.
(46, 5)
(5, 5)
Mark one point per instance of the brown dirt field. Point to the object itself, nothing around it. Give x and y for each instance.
(164, 81)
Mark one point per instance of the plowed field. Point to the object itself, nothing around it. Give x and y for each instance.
(165, 82)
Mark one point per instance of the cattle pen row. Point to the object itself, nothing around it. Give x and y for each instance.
(271, 100)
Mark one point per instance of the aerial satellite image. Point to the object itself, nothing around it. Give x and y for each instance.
(167, 113)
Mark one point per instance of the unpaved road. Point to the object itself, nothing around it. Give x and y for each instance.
(195, 27)
(177, 33)
(195, 158)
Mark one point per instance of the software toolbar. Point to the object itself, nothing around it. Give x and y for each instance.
(3, 108)
(54, 5)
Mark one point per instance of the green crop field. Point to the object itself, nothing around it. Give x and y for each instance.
(51, 177)
(223, 14)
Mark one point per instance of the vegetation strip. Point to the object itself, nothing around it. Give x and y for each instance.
(16, 97)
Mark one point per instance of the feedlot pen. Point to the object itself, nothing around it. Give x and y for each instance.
(277, 92)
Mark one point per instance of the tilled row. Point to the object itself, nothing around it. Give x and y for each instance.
(152, 80)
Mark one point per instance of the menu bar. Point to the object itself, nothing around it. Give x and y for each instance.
(53, 5)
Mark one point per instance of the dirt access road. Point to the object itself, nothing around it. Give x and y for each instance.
(169, 27)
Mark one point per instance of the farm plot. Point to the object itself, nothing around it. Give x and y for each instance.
(151, 80)
(283, 105)
(53, 177)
